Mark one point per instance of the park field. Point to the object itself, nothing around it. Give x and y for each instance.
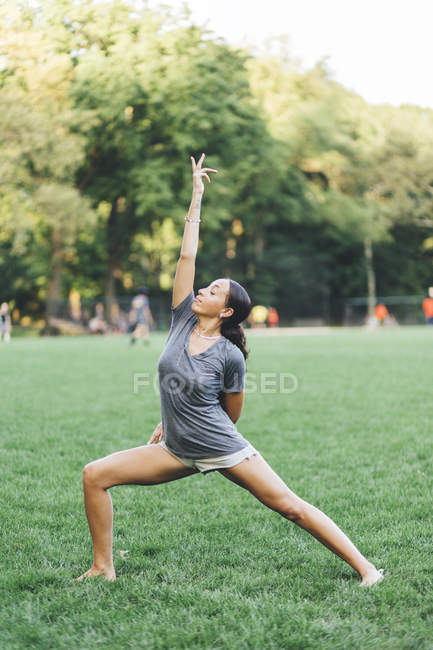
(207, 565)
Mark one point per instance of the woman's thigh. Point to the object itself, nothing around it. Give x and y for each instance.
(255, 475)
(146, 465)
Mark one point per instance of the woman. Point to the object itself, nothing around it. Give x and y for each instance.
(201, 373)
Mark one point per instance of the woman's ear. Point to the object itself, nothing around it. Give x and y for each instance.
(227, 312)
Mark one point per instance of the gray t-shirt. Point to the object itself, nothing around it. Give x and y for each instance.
(195, 424)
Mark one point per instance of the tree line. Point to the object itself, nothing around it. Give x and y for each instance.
(320, 196)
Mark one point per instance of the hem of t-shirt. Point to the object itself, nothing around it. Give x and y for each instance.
(213, 454)
(173, 309)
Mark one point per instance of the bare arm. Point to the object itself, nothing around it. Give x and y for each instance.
(149, 316)
(232, 404)
(185, 269)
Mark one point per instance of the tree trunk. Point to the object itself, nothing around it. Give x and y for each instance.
(259, 245)
(371, 278)
(109, 291)
(122, 225)
(112, 250)
(55, 282)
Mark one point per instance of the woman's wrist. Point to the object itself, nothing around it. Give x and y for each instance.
(195, 207)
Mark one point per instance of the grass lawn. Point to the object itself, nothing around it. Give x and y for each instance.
(209, 566)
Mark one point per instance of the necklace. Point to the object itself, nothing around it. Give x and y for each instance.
(209, 338)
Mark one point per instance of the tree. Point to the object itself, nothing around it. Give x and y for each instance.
(175, 94)
(331, 137)
(40, 150)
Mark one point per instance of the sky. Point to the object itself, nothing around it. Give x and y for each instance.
(381, 49)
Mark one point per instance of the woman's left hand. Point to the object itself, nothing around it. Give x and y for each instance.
(156, 435)
(198, 174)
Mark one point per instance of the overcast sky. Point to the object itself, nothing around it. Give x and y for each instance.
(382, 49)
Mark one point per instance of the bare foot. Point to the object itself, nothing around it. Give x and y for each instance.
(108, 574)
(372, 576)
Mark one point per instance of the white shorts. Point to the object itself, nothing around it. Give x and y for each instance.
(220, 462)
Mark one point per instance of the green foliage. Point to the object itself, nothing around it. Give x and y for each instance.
(101, 105)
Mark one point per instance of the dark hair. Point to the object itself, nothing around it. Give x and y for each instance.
(143, 290)
(240, 302)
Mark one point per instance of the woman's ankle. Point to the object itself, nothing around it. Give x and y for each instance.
(366, 569)
(103, 566)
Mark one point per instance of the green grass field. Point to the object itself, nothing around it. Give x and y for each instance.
(209, 566)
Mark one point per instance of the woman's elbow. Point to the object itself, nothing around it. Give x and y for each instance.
(187, 255)
(234, 416)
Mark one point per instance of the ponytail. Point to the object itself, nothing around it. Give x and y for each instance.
(231, 328)
(236, 335)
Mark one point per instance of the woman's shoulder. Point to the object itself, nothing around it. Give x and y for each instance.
(183, 313)
(184, 304)
(233, 353)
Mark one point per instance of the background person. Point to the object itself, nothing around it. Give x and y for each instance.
(381, 313)
(140, 316)
(259, 314)
(204, 356)
(5, 323)
(273, 317)
(98, 324)
(427, 307)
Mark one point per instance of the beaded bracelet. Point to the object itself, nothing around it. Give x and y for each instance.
(193, 220)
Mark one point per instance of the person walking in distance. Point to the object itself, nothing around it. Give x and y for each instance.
(5, 323)
(201, 376)
(427, 307)
(141, 316)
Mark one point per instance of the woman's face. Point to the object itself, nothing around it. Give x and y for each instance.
(211, 301)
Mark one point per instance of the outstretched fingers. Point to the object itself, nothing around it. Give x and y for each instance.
(200, 162)
(197, 168)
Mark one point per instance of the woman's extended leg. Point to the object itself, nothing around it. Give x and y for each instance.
(147, 465)
(255, 475)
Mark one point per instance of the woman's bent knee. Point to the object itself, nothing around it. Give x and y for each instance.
(91, 474)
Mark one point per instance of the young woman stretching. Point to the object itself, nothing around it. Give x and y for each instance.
(201, 375)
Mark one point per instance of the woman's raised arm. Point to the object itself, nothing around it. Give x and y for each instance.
(185, 269)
